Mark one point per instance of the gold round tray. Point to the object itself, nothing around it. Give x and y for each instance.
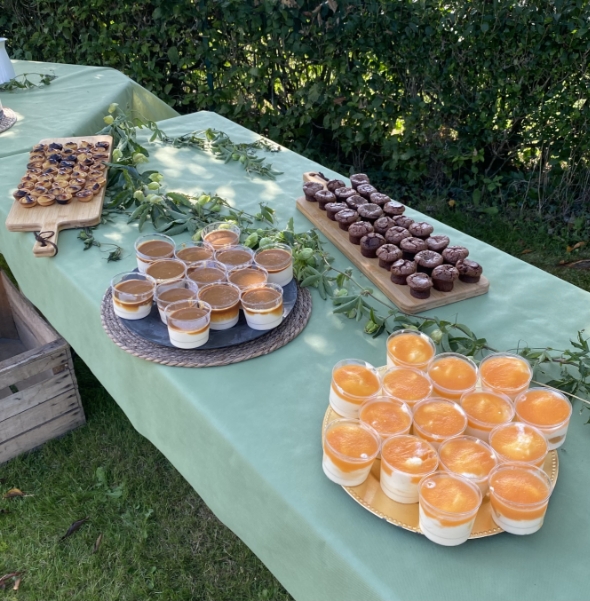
(373, 499)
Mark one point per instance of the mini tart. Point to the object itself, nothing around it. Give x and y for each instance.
(36, 156)
(27, 201)
(66, 164)
(38, 164)
(40, 148)
(36, 171)
(56, 190)
(73, 189)
(71, 145)
(78, 181)
(64, 171)
(82, 156)
(46, 200)
(85, 195)
(62, 177)
(94, 186)
(82, 168)
(45, 179)
(35, 193)
(95, 174)
(102, 144)
(27, 185)
(99, 167)
(100, 156)
(80, 174)
(41, 187)
(20, 193)
(63, 199)
(55, 146)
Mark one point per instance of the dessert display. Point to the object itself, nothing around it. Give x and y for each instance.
(452, 375)
(278, 262)
(436, 420)
(224, 300)
(485, 410)
(166, 271)
(386, 416)
(505, 373)
(221, 234)
(406, 384)
(519, 442)
(263, 306)
(166, 294)
(409, 348)
(234, 256)
(153, 247)
(194, 252)
(188, 323)
(133, 294)
(353, 382)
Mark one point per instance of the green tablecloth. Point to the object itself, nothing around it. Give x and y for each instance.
(247, 436)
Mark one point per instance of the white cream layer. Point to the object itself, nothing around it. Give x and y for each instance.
(344, 478)
(399, 486)
(142, 311)
(225, 324)
(517, 526)
(283, 277)
(262, 321)
(477, 433)
(186, 340)
(141, 265)
(552, 435)
(342, 406)
(449, 536)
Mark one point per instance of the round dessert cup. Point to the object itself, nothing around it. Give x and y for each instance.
(235, 260)
(350, 448)
(144, 258)
(476, 424)
(188, 323)
(386, 416)
(406, 384)
(458, 389)
(225, 307)
(221, 234)
(176, 291)
(193, 252)
(487, 382)
(133, 294)
(405, 460)
(207, 272)
(510, 511)
(166, 271)
(554, 433)
(519, 443)
(263, 306)
(249, 276)
(432, 420)
(418, 354)
(440, 524)
(279, 265)
(346, 401)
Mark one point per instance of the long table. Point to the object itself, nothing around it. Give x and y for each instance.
(247, 436)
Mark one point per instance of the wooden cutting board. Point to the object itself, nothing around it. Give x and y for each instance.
(400, 295)
(58, 217)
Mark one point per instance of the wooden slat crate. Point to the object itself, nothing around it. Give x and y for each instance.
(39, 397)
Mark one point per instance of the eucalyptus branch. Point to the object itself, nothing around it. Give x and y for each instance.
(22, 82)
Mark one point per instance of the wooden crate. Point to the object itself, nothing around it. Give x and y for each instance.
(39, 397)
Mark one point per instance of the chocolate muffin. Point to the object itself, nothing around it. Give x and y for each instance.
(403, 221)
(324, 197)
(334, 207)
(421, 229)
(411, 246)
(420, 285)
(427, 260)
(370, 212)
(393, 208)
(358, 230)
(346, 217)
(383, 224)
(343, 193)
(452, 254)
(309, 189)
(359, 178)
(388, 254)
(355, 201)
(366, 190)
(469, 271)
(437, 242)
(400, 270)
(334, 184)
(395, 234)
(443, 277)
(370, 243)
(379, 199)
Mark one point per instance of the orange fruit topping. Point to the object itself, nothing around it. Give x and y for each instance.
(519, 486)
(519, 442)
(453, 373)
(356, 382)
(352, 441)
(486, 408)
(407, 385)
(543, 408)
(505, 373)
(410, 455)
(440, 419)
(386, 418)
(410, 349)
(467, 457)
(450, 495)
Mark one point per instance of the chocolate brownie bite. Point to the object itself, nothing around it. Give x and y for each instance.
(395, 234)
(427, 260)
(345, 218)
(324, 197)
(383, 224)
(358, 230)
(379, 199)
(400, 270)
(393, 209)
(359, 178)
(437, 242)
(366, 190)
(388, 254)
(370, 243)
(452, 254)
(334, 207)
(403, 221)
(421, 229)
(343, 193)
(355, 201)
(309, 189)
(334, 184)
(411, 246)
(443, 277)
(469, 271)
(370, 212)
(419, 284)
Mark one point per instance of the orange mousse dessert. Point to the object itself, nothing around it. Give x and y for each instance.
(409, 348)
(448, 506)
(350, 448)
(485, 410)
(354, 381)
(452, 375)
(405, 460)
(548, 410)
(386, 416)
(519, 495)
(406, 384)
(436, 420)
(505, 373)
(516, 442)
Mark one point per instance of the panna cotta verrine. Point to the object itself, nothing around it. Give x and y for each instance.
(166, 271)
(249, 276)
(263, 306)
(224, 299)
(278, 262)
(153, 247)
(350, 448)
(452, 375)
(517, 442)
(354, 381)
(234, 256)
(221, 234)
(133, 294)
(505, 373)
(188, 323)
(194, 252)
(406, 384)
(207, 272)
(409, 348)
(169, 293)
(437, 419)
(386, 416)
(405, 460)
(485, 410)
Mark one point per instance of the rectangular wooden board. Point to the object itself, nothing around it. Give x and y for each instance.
(400, 295)
(58, 217)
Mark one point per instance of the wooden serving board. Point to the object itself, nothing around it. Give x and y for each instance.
(58, 217)
(400, 295)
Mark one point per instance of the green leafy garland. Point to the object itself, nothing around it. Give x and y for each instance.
(22, 82)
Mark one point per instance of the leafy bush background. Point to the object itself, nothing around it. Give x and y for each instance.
(481, 100)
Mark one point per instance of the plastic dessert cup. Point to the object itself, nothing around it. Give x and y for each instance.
(405, 460)
(249, 276)
(153, 247)
(548, 410)
(166, 294)
(406, 384)
(188, 323)
(519, 495)
(521, 443)
(194, 252)
(386, 416)
(485, 410)
(354, 381)
(166, 271)
(437, 419)
(505, 373)
(221, 234)
(235, 256)
(468, 457)
(448, 507)
(350, 448)
(409, 348)
(452, 375)
(133, 294)
(278, 262)
(207, 272)
(224, 299)
(263, 306)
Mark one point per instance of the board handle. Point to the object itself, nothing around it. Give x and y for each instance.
(46, 241)
(314, 176)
